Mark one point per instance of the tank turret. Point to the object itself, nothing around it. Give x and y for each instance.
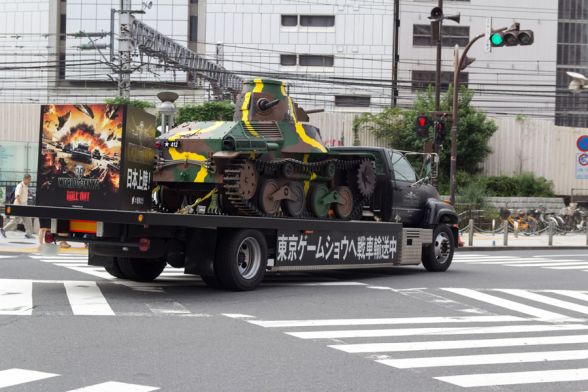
(267, 161)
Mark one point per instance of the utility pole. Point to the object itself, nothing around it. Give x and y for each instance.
(125, 47)
(438, 65)
(395, 50)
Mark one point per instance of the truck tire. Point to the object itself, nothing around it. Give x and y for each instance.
(115, 270)
(241, 259)
(437, 256)
(141, 270)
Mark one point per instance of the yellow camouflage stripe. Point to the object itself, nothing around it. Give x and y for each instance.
(245, 111)
(192, 156)
(302, 132)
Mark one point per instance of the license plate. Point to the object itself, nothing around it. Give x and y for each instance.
(82, 226)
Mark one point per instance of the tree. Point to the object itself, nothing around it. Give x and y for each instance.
(208, 111)
(396, 128)
(131, 102)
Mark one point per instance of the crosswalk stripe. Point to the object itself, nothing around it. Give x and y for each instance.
(584, 264)
(364, 333)
(384, 321)
(459, 344)
(576, 267)
(6, 257)
(514, 378)
(16, 297)
(12, 377)
(485, 359)
(60, 257)
(94, 271)
(113, 386)
(572, 294)
(504, 303)
(531, 262)
(87, 299)
(546, 300)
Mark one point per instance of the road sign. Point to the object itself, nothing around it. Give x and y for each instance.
(582, 166)
(487, 43)
(582, 143)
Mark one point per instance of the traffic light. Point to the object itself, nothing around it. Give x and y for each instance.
(423, 123)
(512, 37)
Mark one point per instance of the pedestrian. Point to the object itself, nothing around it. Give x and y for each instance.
(21, 196)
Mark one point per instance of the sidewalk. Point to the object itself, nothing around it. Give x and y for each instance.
(17, 243)
(486, 241)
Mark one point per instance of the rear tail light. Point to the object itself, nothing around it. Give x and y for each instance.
(158, 145)
(144, 244)
(49, 238)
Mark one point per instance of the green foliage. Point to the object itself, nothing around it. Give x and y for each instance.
(208, 111)
(396, 128)
(137, 103)
(472, 189)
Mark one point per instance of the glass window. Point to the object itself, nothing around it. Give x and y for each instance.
(193, 28)
(317, 20)
(352, 100)
(287, 59)
(311, 60)
(289, 20)
(403, 171)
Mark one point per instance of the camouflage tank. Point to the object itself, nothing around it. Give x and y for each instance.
(269, 161)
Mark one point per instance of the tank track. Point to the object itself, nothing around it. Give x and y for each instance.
(247, 207)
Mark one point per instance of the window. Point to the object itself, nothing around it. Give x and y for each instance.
(288, 59)
(422, 79)
(452, 35)
(352, 101)
(193, 1)
(311, 60)
(289, 20)
(193, 28)
(403, 171)
(317, 20)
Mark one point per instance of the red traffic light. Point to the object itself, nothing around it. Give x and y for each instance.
(422, 121)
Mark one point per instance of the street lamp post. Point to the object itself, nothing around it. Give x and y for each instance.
(460, 63)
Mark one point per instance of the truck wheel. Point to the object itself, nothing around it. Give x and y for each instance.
(241, 260)
(115, 270)
(437, 257)
(141, 270)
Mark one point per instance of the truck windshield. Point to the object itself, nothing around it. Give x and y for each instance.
(403, 171)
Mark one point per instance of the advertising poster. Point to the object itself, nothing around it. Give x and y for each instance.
(139, 154)
(80, 155)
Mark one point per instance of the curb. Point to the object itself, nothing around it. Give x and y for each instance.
(506, 248)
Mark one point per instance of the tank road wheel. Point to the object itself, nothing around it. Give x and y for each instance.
(248, 180)
(366, 178)
(241, 259)
(437, 256)
(295, 207)
(141, 270)
(344, 208)
(317, 206)
(267, 203)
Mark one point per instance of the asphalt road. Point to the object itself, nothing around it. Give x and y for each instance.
(496, 321)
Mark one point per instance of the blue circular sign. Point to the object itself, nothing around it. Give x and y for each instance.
(582, 143)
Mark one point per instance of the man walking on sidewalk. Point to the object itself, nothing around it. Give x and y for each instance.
(21, 195)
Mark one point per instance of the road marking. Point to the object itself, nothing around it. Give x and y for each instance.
(435, 331)
(487, 359)
(533, 377)
(584, 264)
(577, 267)
(546, 300)
(6, 257)
(333, 284)
(504, 303)
(87, 299)
(12, 377)
(113, 386)
(572, 294)
(459, 344)
(385, 321)
(16, 297)
(237, 315)
(167, 308)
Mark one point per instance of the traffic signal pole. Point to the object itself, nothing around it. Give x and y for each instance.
(438, 69)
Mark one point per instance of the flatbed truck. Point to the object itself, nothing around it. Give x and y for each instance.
(409, 226)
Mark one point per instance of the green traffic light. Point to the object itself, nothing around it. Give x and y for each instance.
(497, 39)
